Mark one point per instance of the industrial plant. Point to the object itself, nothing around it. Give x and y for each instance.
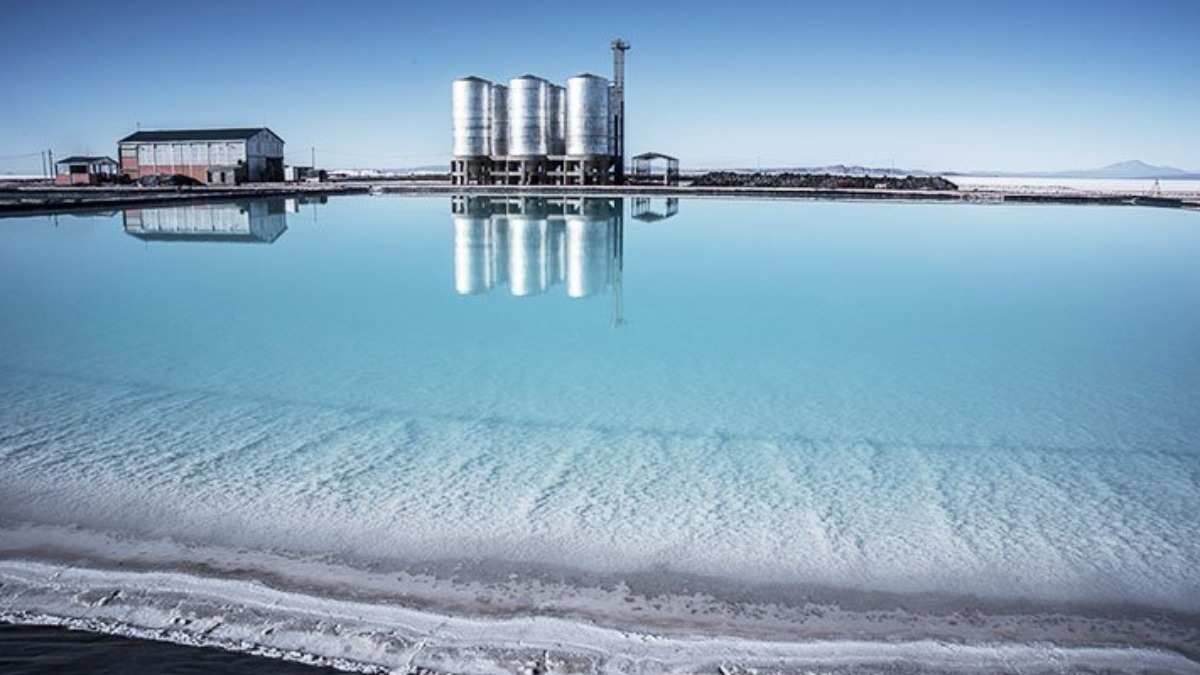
(534, 132)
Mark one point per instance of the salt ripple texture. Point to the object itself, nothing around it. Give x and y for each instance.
(1043, 523)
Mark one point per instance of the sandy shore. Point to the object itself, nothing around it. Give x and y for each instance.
(482, 616)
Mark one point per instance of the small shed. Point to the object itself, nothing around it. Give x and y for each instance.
(85, 170)
(308, 174)
(644, 168)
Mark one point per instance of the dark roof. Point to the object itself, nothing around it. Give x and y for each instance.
(651, 216)
(240, 238)
(655, 155)
(196, 135)
(86, 159)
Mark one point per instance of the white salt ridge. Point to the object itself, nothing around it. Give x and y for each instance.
(247, 616)
(1059, 524)
(1124, 186)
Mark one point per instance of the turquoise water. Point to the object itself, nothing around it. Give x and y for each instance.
(991, 400)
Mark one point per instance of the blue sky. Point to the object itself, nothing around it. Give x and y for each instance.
(958, 84)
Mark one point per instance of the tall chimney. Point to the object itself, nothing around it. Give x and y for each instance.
(619, 47)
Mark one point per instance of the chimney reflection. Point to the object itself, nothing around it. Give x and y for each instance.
(536, 243)
(260, 221)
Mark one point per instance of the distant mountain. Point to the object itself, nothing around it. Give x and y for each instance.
(1128, 169)
(392, 171)
(855, 170)
(425, 168)
(832, 169)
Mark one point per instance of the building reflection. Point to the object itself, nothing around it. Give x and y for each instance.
(651, 209)
(532, 244)
(260, 221)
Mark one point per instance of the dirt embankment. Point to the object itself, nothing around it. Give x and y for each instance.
(821, 181)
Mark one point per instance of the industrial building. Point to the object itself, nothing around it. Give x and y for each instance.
(217, 156)
(534, 132)
(85, 170)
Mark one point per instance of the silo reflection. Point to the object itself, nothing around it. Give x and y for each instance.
(589, 255)
(500, 247)
(474, 262)
(528, 267)
(535, 243)
(557, 248)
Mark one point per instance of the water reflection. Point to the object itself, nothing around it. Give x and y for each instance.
(652, 209)
(261, 221)
(535, 243)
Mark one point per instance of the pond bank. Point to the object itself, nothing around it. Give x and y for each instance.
(52, 199)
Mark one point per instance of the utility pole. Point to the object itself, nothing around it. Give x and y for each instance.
(50, 154)
(314, 157)
(45, 173)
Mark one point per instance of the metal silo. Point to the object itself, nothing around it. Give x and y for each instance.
(613, 145)
(558, 120)
(499, 120)
(472, 117)
(474, 249)
(589, 116)
(528, 116)
(528, 257)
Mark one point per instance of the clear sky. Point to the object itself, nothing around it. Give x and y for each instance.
(951, 84)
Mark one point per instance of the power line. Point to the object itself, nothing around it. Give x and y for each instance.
(378, 155)
(26, 156)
